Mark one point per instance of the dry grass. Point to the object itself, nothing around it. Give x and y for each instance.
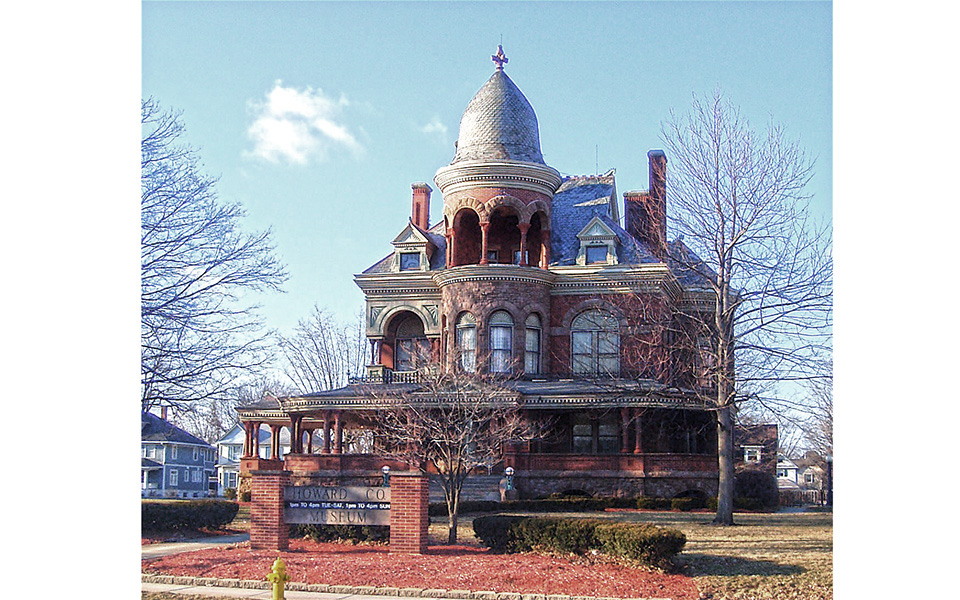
(765, 556)
(782, 556)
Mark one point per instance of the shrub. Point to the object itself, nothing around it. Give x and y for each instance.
(647, 543)
(230, 493)
(333, 533)
(245, 496)
(159, 515)
(653, 503)
(758, 486)
(683, 504)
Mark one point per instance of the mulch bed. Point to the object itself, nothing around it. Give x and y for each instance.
(444, 567)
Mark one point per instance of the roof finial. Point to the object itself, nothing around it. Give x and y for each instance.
(500, 58)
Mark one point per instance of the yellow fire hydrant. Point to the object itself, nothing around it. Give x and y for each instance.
(278, 576)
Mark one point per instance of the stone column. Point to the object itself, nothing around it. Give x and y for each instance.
(484, 230)
(545, 249)
(337, 434)
(638, 428)
(409, 516)
(523, 243)
(256, 440)
(326, 433)
(309, 440)
(624, 430)
(268, 531)
(275, 441)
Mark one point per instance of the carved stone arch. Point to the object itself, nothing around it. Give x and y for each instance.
(385, 317)
(452, 209)
(533, 208)
(589, 304)
(506, 200)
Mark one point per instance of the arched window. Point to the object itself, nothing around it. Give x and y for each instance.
(413, 349)
(467, 342)
(501, 342)
(595, 344)
(531, 355)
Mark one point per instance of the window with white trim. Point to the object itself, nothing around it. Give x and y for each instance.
(466, 341)
(174, 476)
(501, 342)
(173, 452)
(751, 454)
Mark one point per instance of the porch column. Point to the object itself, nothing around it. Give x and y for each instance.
(275, 441)
(638, 427)
(256, 439)
(523, 243)
(309, 440)
(625, 430)
(247, 439)
(337, 434)
(484, 230)
(326, 433)
(296, 434)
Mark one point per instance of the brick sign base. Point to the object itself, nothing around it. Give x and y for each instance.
(409, 512)
(409, 516)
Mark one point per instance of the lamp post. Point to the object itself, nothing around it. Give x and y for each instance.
(509, 473)
(386, 475)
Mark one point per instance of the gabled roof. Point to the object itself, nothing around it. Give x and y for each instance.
(434, 235)
(155, 429)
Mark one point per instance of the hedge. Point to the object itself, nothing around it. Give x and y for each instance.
(647, 543)
(334, 533)
(172, 515)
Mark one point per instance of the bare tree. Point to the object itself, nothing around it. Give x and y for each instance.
(213, 418)
(322, 354)
(200, 333)
(455, 422)
(765, 298)
(819, 425)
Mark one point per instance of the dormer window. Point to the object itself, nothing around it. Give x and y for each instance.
(409, 261)
(596, 255)
(598, 244)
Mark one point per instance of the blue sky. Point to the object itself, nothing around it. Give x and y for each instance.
(318, 116)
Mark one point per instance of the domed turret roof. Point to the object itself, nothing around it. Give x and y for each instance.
(498, 124)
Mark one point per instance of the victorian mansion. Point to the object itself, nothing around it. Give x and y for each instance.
(544, 280)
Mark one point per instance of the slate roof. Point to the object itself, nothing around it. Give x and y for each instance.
(155, 429)
(578, 200)
(498, 124)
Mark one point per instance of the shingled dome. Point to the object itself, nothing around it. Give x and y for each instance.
(499, 124)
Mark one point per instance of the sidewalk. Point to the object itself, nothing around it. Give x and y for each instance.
(166, 548)
(300, 591)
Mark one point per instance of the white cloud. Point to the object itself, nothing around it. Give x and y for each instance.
(299, 125)
(435, 127)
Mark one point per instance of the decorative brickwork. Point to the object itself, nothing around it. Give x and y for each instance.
(268, 530)
(409, 517)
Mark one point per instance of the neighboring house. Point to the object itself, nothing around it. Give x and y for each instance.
(755, 447)
(787, 469)
(174, 463)
(553, 282)
(801, 480)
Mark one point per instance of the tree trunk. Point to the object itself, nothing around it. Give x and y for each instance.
(727, 471)
(453, 506)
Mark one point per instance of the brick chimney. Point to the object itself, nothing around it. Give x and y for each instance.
(645, 213)
(420, 212)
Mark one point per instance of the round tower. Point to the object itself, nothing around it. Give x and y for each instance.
(497, 195)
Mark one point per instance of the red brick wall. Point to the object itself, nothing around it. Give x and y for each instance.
(641, 350)
(268, 531)
(409, 516)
